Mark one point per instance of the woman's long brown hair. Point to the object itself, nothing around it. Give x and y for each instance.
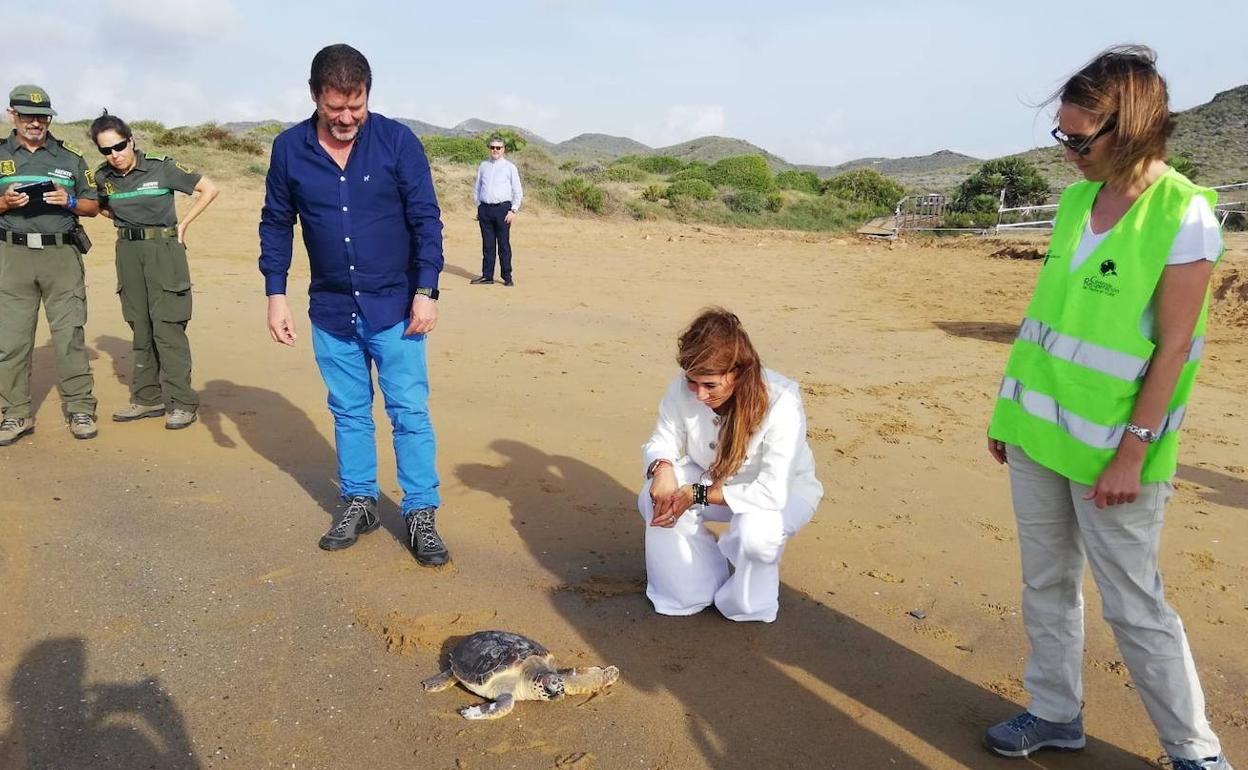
(715, 344)
(1122, 85)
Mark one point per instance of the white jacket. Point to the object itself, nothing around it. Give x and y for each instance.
(778, 460)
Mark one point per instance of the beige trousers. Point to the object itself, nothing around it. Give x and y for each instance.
(1058, 532)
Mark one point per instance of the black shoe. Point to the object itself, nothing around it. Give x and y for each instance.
(424, 542)
(481, 280)
(360, 518)
(508, 282)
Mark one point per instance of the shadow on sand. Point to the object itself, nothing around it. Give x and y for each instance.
(1219, 488)
(807, 691)
(988, 331)
(61, 721)
(284, 435)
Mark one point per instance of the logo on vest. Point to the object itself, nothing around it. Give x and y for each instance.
(8, 167)
(1100, 284)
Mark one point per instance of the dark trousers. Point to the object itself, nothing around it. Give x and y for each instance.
(495, 238)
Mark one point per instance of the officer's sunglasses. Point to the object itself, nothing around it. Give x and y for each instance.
(114, 148)
(496, 146)
(1079, 144)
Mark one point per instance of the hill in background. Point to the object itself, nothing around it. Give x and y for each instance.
(1213, 135)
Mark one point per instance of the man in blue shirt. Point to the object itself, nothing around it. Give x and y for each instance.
(360, 186)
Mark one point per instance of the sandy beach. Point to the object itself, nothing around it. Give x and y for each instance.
(165, 604)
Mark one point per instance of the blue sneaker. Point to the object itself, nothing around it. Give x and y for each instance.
(1027, 732)
(1208, 763)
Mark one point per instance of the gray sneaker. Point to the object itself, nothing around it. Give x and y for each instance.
(1027, 732)
(1208, 763)
(13, 428)
(82, 425)
(138, 412)
(424, 542)
(360, 518)
(179, 419)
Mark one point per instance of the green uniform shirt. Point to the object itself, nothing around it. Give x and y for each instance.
(143, 197)
(56, 161)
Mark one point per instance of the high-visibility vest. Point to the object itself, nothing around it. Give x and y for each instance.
(1080, 358)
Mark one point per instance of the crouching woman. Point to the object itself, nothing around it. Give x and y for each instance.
(729, 446)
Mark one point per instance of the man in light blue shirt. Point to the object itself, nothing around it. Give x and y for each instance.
(498, 195)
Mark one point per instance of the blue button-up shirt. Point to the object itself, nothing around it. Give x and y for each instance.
(373, 230)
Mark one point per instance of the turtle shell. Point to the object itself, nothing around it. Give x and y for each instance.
(483, 655)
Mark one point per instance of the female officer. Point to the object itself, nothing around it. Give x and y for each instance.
(1089, 411)
(729, 445)
(153, 278)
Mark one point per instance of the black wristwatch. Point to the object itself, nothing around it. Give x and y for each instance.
(426, 291)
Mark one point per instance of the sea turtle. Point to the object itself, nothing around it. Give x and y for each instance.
(507, 667)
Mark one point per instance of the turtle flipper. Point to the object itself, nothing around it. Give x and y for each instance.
(582, 681)
(494, 710)
(439, 682)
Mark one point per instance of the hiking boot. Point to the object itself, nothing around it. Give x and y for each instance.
(138, 412)
(179, 419)
(1027, 732)
(13, 428)
(481, 280)
(508, 282)
(82, 425)
(1208, 763)
(423, 539)
(360, 518)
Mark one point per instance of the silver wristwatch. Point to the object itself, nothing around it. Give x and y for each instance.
(1143, 434)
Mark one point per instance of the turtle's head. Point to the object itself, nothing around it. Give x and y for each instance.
(548, 685)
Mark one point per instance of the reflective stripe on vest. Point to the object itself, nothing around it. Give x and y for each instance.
(1089, 355)
(1093, 434)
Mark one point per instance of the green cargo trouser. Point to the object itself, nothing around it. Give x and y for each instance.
(154, 285)
(53, 275)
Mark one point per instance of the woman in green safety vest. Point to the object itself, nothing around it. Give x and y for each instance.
(1089, 410)
(153, 277)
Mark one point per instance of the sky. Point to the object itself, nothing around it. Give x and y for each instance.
(813, 82)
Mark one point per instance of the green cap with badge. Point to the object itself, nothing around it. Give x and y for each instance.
(30, 100)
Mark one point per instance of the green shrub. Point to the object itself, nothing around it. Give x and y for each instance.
(971, 219)
(177, 137)
(240, 144)
(747, 202)
(865, 185)
(148, 126)
(1185, 166)
(744, 172)
(211, 132)
(456, 149)
(981, 191)
(625, 173)
(568, 165)
(654, 192)
(775, 201)
(641, 210)
(695, 189)
(695, 170)
(660, 164)
(259, 169)
(802, 181)
(575, 193)
(266, 130)
(511, 140)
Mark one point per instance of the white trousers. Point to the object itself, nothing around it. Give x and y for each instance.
(1058, 531)
(687, 570)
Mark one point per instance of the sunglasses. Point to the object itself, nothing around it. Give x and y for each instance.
(496, 147)
(1082, 145)
(114, 148)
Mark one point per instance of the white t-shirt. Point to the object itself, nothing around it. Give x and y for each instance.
(1200, 237)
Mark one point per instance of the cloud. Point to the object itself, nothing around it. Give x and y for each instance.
(689, 121)
(173, 21)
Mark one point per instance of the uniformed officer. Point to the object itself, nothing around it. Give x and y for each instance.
(46, 186)
(153, 278)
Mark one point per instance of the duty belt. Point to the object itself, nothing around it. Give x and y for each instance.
(146, 233)
(34, 240)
